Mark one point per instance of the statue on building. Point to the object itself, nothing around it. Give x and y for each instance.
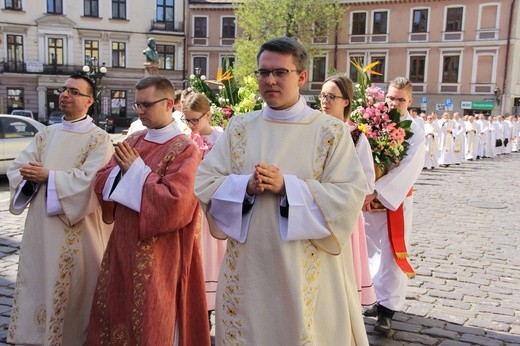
(150, 52)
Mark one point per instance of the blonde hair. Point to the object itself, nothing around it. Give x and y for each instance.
(196, 102)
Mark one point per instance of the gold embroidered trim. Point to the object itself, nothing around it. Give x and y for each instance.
(40, 317)
(232, 325)
(62, 286)
(311, 266)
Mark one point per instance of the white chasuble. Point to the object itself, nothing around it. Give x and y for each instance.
(295, 292)
(60, 254)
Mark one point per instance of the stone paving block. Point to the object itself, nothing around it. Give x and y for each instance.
(451, 318)
(375, 340)
(448, 295)
(508, 338)
(415, 338)
(479, 340)
(453, 343)
(495, 310)
(488, 324)
(441, 333)
(427, 322)
(455, 304)
(406, 327)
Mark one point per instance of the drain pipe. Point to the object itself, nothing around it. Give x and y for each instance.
(509, 29)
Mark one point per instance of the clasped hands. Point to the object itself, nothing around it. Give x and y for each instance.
(266, 177)
(125, 155)
(367, 203)
(35, 172)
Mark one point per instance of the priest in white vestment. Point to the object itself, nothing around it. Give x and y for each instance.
(64, 236)
(459, 133)
(390, 268)
(446, 140)
(285, 187)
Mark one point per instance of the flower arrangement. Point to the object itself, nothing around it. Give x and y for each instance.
(229, 98)
(386, 132)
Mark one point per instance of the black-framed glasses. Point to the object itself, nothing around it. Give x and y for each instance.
(396, 99)
(72, 92)
(329, 97)
(278, 73)
(192, 121)
(146, 105)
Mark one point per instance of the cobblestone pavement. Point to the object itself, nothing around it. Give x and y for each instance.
(466, 252)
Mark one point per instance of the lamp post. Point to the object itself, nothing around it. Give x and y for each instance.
(96, 74)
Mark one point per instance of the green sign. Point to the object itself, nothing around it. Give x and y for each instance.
(485, 105)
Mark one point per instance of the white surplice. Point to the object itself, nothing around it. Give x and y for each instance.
(64, 236)
(282, 281)
(390, 281)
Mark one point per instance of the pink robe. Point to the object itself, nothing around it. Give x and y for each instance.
(151, 275)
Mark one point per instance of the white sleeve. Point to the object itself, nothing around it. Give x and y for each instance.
(129, 190)
(305, 220)
(364, 153)
(226, 207)
(53, 202)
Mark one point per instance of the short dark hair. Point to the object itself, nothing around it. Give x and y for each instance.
(287, 45)
(346, 88)
(160, 84)
(91, 87)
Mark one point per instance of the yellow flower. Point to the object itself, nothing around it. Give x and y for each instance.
(221, 77)
(362, 128)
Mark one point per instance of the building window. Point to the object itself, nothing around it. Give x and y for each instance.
(164, 10)
(380, 23)
(417, 69)
(200, 65)
(227, 62)
(13, 5)
(450, 69)
(359, 23)
(228, 27)
(91, 50)
(15, 53)
(118, 103)
(353, 72)
(55, 6)
(119, 9)
(319, 68)
(200, 27)
(454, 19)
(91, 8)
(15, 99)
(376, 78)
(118, 54)
(420, 21)
(166, 56)
(55, 51)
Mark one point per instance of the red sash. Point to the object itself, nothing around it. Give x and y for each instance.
(396, 236)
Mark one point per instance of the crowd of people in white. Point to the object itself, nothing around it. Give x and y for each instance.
(452, 138)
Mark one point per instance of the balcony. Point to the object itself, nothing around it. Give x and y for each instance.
(22, 67)
(170, 26)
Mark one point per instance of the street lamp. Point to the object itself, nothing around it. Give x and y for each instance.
(96, 74)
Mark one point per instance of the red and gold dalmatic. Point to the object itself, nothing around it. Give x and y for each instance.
(151, 283)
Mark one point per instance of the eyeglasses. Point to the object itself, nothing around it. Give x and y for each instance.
(399, 99)
(72, 92)
(192, 121)
(329, 97)
(146, 105)
(278, 73)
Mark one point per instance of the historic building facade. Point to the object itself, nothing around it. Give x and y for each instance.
(460, 55)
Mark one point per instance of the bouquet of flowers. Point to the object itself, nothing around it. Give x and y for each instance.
(386, 132)
(229, 98)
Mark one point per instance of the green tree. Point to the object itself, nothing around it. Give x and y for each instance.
(261, 20)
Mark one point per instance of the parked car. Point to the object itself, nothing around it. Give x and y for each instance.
(55, 117)
(23, 113)
(16, 132)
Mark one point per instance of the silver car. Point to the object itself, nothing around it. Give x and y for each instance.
(15, 134)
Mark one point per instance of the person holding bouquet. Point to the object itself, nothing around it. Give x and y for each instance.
(336, 100)
(197, 115)
(388, 232)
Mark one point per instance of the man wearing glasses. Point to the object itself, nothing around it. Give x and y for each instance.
(390, 229)
(150, 289)
(285, 187)
(64, 236)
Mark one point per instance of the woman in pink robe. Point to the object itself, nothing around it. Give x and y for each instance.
(336, 94)
(197, 115)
